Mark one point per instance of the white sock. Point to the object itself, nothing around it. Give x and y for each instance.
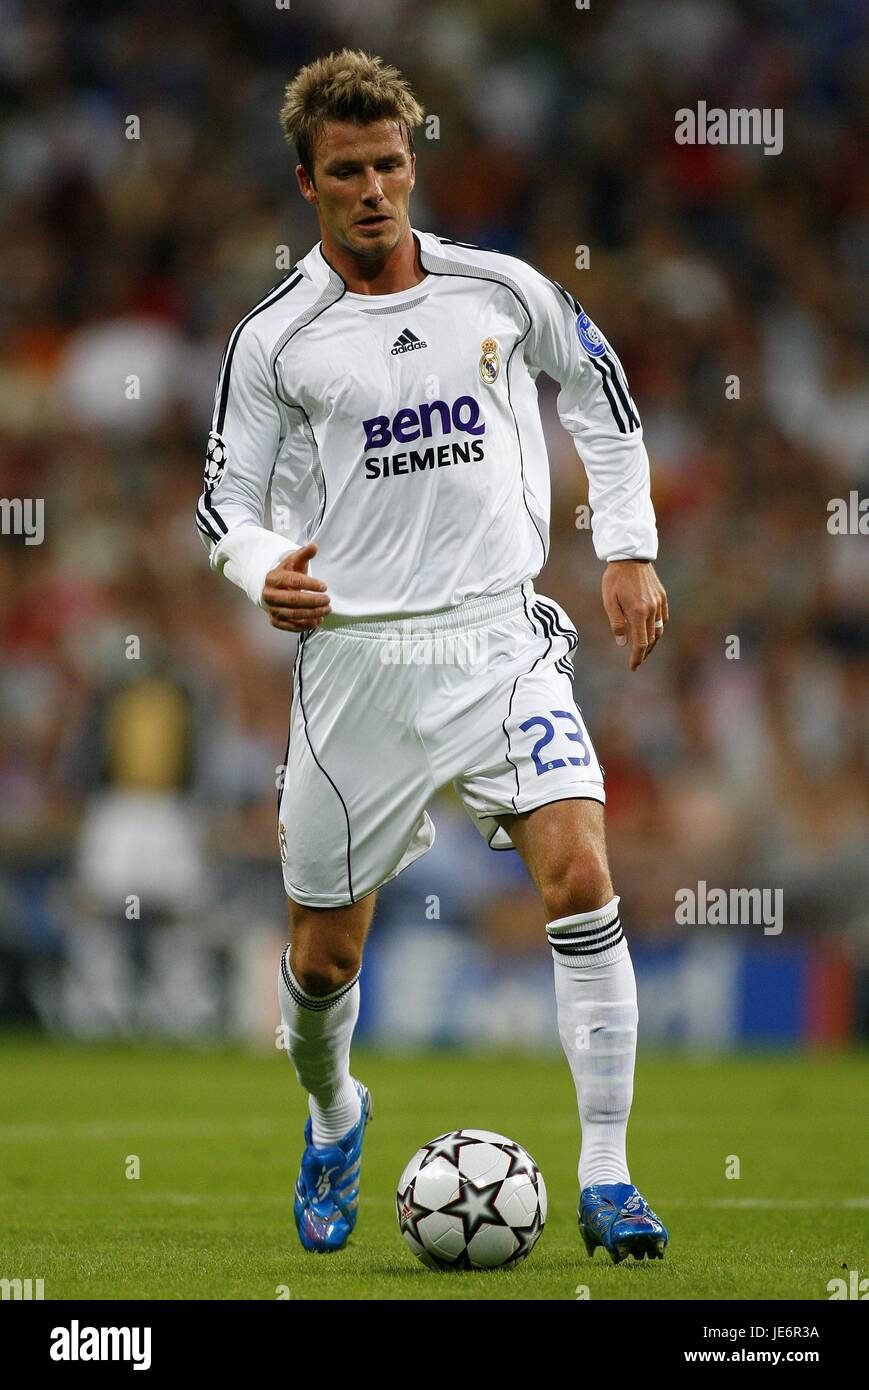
(319, 1031)
(596, 998)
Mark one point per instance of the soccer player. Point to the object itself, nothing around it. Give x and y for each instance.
(384, 395)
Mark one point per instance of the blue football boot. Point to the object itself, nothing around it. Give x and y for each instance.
(616, 1216)
(327, 1188)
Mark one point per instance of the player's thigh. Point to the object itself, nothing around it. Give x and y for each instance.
(563, 845)
(326, 943)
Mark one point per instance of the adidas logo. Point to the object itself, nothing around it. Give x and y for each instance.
(407, 342)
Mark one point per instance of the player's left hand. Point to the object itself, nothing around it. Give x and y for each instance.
(635, 601)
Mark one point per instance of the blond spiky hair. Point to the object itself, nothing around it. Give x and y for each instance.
(346, 86)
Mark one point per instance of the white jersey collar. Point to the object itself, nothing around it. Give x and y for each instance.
(318, 270)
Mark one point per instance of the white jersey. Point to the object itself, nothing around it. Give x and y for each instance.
(402, 433)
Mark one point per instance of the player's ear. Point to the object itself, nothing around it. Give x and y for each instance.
(306, 184)
(412, 170)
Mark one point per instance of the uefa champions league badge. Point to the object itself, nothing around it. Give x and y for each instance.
(490, 362)
(591, 337)
(215, 461)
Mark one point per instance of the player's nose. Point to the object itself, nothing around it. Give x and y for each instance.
(373, 192)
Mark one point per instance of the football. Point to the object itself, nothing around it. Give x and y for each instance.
(471, 1199)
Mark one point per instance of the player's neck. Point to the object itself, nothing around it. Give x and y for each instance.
(400, 269)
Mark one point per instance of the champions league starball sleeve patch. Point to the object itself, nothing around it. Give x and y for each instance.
(215, 461)
(590, 336)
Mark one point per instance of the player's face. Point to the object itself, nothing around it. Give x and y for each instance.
(363, 175)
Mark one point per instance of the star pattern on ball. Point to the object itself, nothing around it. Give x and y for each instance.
(410, 1212)
(476, 1207)
(519, 1163)
(447, 1146)
(527, 1236)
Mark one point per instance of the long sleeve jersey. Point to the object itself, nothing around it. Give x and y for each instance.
(402, 433)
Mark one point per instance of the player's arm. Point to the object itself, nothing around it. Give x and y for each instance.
(230, 514)
(596, 408)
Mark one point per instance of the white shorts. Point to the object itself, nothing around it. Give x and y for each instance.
(385, 713)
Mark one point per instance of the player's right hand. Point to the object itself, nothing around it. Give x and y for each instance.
(294, 601)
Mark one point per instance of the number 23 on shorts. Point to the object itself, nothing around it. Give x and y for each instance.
(569, 728)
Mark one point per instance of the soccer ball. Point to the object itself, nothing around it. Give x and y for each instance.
(471, 1199)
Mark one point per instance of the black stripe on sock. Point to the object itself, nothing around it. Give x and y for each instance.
(583, 933)
(574, 932)
(579, 949)
(307, 1001)
(589, 935)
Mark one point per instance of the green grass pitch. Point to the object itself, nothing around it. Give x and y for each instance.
(217, 1135)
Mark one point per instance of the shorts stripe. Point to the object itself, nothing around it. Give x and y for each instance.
(513, 692)
(549, 621)
(304, 635)
(286, 762)
(570, 633)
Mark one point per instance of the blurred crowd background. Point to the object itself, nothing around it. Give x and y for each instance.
(139, 876)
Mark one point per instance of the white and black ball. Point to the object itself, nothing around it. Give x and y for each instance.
(471, 1199)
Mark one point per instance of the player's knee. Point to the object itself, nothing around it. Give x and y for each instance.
(583, 885)
(318, 974)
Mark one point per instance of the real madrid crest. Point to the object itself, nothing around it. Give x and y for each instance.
(490, 362)
(282, 840)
